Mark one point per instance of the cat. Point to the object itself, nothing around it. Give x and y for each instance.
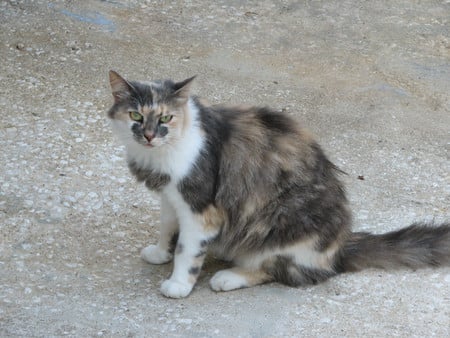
(250, 186)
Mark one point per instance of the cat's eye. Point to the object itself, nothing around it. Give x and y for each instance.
(165, 118)
(135, 116)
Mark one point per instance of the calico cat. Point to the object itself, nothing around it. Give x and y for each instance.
(250, 186)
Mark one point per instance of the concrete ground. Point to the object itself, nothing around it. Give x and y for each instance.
(371, 79)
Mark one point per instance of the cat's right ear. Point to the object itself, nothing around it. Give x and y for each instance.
(121, 88)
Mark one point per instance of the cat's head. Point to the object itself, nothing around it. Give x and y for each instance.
(152, 114)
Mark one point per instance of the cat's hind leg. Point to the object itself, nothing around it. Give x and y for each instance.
(281, 268)
(163, 251)
(237, 278)
(284, 270)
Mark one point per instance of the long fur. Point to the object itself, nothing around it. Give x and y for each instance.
(417, 246)
(251, 186)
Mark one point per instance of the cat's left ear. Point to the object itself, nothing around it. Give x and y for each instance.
(121, 88)
(183, 88)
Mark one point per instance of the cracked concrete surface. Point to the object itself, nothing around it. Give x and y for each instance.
(370, 79)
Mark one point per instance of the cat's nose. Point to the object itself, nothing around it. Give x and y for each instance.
(149, 135)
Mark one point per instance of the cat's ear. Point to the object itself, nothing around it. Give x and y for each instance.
(183, 89)
(121, 88)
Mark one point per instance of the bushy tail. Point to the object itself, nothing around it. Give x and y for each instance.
(417, 246)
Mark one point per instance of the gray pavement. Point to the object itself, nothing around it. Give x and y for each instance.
(371, 79)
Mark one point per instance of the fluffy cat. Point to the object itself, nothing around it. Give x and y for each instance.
(250, 186)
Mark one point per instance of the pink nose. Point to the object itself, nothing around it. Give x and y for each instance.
(149, 135)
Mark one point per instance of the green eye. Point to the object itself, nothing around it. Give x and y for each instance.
(135, 116)
(165, 118)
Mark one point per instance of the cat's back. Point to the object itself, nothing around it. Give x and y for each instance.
(256, 124)
(260, 147)
(256, 117)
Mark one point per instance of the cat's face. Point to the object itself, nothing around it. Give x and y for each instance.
(152, 114)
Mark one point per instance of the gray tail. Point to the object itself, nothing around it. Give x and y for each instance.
(417, 246)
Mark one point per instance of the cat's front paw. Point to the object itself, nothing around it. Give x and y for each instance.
(226, 280)
(175, 289)
(154, 255)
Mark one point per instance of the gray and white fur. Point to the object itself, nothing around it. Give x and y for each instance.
(250, 186)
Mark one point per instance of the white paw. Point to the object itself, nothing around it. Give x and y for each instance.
(174, 289)
(226, 280)
(154, 255)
